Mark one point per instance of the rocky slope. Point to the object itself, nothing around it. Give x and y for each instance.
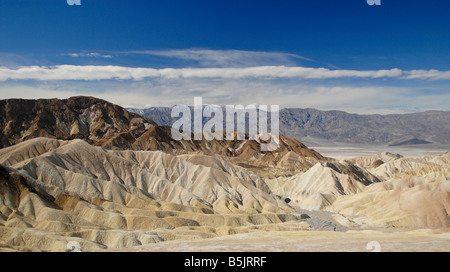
(414, 193)
(384, 190)
(93, 120)
(53, 191)
(320, 185)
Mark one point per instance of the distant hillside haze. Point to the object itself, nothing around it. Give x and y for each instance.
(339, 126)
(433, 126)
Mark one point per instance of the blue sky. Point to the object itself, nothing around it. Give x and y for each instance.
(324, 54)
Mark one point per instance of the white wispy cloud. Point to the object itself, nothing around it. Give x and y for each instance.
(427, 74)
(229, 58)
(88, 55)
(92, 72)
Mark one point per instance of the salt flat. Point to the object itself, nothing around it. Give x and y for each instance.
(341, 151)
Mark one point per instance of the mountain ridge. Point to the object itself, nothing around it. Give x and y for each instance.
(341, 126)
(101, 123)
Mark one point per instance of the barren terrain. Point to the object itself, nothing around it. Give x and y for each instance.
(110, 180)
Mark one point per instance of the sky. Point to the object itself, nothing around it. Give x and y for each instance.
(325, 54)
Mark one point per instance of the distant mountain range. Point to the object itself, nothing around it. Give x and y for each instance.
(339, 126)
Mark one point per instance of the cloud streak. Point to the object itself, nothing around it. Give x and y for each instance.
(89, 55)
(109, 72)
(428, 74)
(228, 58)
